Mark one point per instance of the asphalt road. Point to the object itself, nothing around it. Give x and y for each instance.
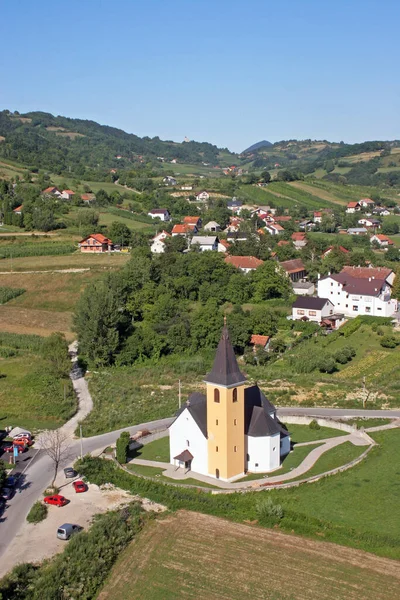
(37, 473)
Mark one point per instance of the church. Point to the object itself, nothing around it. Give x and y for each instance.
(230, 430)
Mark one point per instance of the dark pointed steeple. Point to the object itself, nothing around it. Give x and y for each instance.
(225, 370)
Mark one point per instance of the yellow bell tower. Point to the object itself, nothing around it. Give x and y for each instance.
(225, 413)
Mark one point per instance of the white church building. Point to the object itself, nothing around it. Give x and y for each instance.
(232, 429)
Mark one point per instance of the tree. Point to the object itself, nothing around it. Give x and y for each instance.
(269, 282)
(389, 228)
(122, 447)
(177, 243)
(55, 351)
(119, 233)
(266, 176)
(56, 445)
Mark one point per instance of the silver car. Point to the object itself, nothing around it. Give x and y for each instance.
(65, 531)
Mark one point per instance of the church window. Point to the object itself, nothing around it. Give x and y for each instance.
(234, 395)
(216, 395)
(235, 448)
(216, 448)
(216, 421)
(235, 421)
(187, 443)
(256, 464)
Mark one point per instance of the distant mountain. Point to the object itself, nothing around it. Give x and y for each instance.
(62, 144)
(254, 147)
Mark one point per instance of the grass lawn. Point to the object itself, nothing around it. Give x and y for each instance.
(194, 556)
(107, 218)
(77, 260)
(334, 458)
(303, 433)
(292, 460)
(366, 423)
(157, 450)
(158, 472)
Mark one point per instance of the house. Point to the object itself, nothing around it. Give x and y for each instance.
(96, 243)
(329, 250)
(303, 288)
(383, 240)
(158, 242)
(52, 191)
(231, 429)
(168, 180)
(283, 243)
(274, 228)
(205, 242)
(382, 212)
(159, 213)
(187, 188)
(317, 216)
(67, 194)
(234, 205)
(193, 221)
(244, 263)
(88, 198)
(367, 203)
(357, 231)
(360, 291)
(223, 246)
(282, 219)
(238, 236)
(184, 229)
(202, 196)
(299, 239)
(234, 224)
(306, 225)
(294, 269)
(312, 309)
(18, 210)
(353, 207)
(212, 226)
(260, 341)
(369, 222)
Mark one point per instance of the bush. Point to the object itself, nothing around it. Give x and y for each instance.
(37, 513)
(327, 364)
(390, 341)
(7, 294)
(123, 447)
(267, 509)
(314, 425)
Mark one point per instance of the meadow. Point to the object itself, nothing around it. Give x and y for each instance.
(171, 558)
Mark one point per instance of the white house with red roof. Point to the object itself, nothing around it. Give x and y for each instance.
(96, 243)
(244, 263)
(383, 240)
(360, 291)
(317, 216)
(274, 228)
(367, 203)
(52, 191)
(158, 242)
(18, 210)
(67, 194)
(202, 196)
(353, 207)
(184, 229)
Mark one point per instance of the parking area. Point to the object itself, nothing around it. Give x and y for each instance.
(33, 543)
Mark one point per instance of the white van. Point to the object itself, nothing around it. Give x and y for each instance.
(65, 531)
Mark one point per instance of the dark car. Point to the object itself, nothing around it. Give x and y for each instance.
(11, 481)
(7, 493)
(69, 473)
(56, 500)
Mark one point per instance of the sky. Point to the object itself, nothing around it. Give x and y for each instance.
(228, 72)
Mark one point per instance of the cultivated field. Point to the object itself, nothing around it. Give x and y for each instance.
(189, 555)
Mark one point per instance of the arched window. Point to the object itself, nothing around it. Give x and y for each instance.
(234, 395)
(216, 395)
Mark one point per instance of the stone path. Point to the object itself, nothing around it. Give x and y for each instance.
(358, 438)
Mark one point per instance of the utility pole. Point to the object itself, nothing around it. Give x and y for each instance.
(179, 393)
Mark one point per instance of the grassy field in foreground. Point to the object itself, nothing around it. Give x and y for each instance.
(72, 261)
(181, 556)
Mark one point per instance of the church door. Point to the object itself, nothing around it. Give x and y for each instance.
(217, 473)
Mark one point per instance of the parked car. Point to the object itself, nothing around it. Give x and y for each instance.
(10, 448)
(65, 531)
(79, 486)
(20, 442)
(7, 493)
(24, 437)
(11, 480)
(69, 473)
(56, 500)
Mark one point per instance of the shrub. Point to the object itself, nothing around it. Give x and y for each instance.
(267, 509)
(123, 447)
(390, 341)
(7, 294)
(37, 513)
(314, 425)
(326, 363)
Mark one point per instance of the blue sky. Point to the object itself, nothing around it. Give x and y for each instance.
(228, 72)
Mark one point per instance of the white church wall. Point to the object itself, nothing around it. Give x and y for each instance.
(183, 430)
(285, 445)
(263, 453)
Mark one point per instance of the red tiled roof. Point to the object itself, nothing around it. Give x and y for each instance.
(224, 243)
(259, 340)
(99, 237)
(87, 197)
(244, 262)
(276, 226)
(298, 236)
(191, 220)
(360, 285)
(19, 208)
(49, 190)
(283, 243)
(383, 238)
(352, 204)
(282, 219)
(68, 192)
(367, 272)
(293, 266)
(317, 213)
(367, 200)
(183, 228)
(341, 248)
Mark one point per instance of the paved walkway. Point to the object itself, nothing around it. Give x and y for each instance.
(357, 438)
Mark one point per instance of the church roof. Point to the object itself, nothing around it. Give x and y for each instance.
(259, 423)
(225, 370)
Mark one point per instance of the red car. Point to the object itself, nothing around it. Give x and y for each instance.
(21, 449)
(57, 500)
(79, 486)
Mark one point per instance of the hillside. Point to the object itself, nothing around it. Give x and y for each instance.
(60, 144)
(258, 146)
